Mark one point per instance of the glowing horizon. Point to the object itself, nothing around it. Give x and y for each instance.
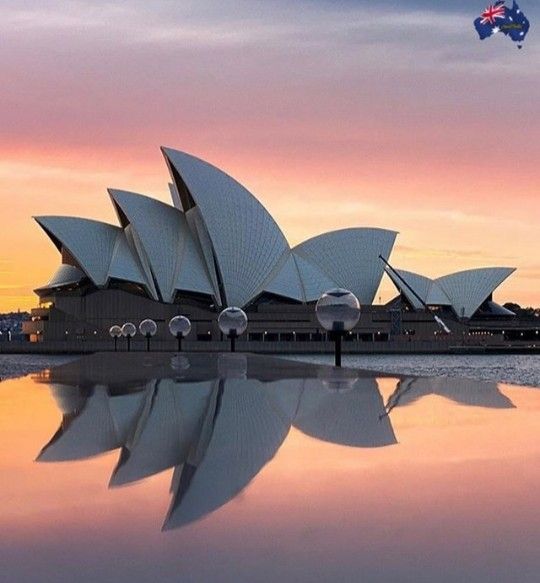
(332, 114)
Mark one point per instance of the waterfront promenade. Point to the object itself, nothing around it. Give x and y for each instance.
(442, 345)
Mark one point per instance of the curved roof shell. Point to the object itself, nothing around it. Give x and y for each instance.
(64, 275)
(101, 250)
(91, 243)
(246, 241)
(164, 243)
(298, 279)
(498, 310)
(469, 289)
(314, 281)
(125, 264)
(429, 290)
(285, 281)
(464, 291)
(350, 257)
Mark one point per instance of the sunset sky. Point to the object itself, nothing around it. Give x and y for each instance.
(333, 113)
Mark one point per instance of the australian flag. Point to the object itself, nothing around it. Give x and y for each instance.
(499, 18)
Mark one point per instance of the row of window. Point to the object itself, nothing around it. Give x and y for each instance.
(314, 337)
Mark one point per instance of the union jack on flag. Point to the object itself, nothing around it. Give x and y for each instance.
(499, 18)
(492, 12)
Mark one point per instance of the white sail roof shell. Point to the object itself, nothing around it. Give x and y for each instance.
(101, 250)
(90, 242)
(247, 242)
(192, 274)
(464, 291)
(428, 289)
(125, 263)
(314, 281)
(468, 289)
(298, 279)
(285, 281)
(350, 257)
(164, 243)
(420, 284)
(65, 275)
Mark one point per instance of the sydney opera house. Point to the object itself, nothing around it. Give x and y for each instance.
(217, 246)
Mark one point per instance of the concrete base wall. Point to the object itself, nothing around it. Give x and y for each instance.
(442, 346)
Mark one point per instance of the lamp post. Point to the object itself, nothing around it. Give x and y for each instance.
(180, 327)
(233, 323)
(338, 311)
(115, 332)
(128, 331)
(148, 328)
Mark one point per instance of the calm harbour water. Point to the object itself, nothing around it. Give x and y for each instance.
(16, 365)
(517, 369)
(512, 368)
(233, 468)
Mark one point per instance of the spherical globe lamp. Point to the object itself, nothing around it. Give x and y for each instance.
(128, 331)
(233, 323)
(148, 328)
(338, 311)
(115, 332)
(179, 327)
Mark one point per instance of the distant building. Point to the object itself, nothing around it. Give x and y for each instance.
(11, 325)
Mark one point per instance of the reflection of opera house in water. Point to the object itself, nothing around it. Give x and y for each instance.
(217, 246)
(218, 421)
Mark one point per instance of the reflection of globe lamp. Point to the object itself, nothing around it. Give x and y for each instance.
(115, 332)
(232, 366)
(148, 328)
(338, 379)
(233, 323)
(180, 327)
(179, 362)
(128, 331)
(338, 311)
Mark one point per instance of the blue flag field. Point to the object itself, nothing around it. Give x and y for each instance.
(498, 18)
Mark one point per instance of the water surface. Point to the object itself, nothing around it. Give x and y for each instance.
(16, 365)
(234, 468)
(519, 369)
